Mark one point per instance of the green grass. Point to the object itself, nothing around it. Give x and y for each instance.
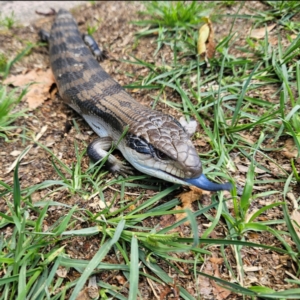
(234, 112)
(174, 14)
(8, 104)
(4, 71)
(3, 62)
(9, 99)
(175, 22)
(30, 270)
(92, 28)
(237, 118)
(8, 21)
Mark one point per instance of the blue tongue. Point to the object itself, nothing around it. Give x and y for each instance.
(203, 183)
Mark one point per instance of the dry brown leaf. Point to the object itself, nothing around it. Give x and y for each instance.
(292, 197)
(132, 207)
(253, 235)
(245, 169)
(38, 92)
(273, 40)
(205, 45)
(219, 292)
(15, 153)
(259, 33)
(83, 295)
(92, 289)
(202, 39)
(290, 149)
(167, 220)
(165, 293)
(205, 287)
(172, 289)
(121, 279)
(275, 168)
(209, 287)
(296, 218)
(53, 92)
(252, 268)
(62, 272)
(217, 260)
(211, 45)
(187, 198)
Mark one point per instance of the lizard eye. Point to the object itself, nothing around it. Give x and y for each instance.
(161, 155)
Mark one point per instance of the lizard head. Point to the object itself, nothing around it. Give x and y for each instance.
(159, 146)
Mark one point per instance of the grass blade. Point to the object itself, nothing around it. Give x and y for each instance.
(134, 269)
(98, 257)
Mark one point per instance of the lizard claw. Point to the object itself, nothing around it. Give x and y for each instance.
(121, 168)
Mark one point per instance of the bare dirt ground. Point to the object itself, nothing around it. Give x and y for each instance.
(116, 35)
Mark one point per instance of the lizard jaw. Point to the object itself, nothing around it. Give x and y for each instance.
(201, 182)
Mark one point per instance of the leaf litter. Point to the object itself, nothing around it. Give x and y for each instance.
(39, 84)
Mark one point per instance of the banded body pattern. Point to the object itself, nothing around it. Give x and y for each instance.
(86, 87)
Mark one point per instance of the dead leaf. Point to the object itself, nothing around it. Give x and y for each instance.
(202, 39)
(296, 218)
(165, 293)
(252, 268)
(83, 295)
(292, 197)
(245, 169)
(167, 220)
(187, 198)
(132, 207)
(38, 91)
(275, 169)
(259, 33)
(219, 292)
(53, 92)
(206, 46)
(205, 287)
(92, 289)
(209, 287)
(273, 40)
(290, 149)
(62, 272)
(15, 152)
(217, 260)
(253, 235)
(121, 279)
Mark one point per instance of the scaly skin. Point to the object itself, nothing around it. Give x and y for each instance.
(155, 143)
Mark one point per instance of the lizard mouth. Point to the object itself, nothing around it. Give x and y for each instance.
(201, 181)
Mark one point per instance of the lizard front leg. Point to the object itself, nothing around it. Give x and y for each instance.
(97, 150)
(99, 54)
